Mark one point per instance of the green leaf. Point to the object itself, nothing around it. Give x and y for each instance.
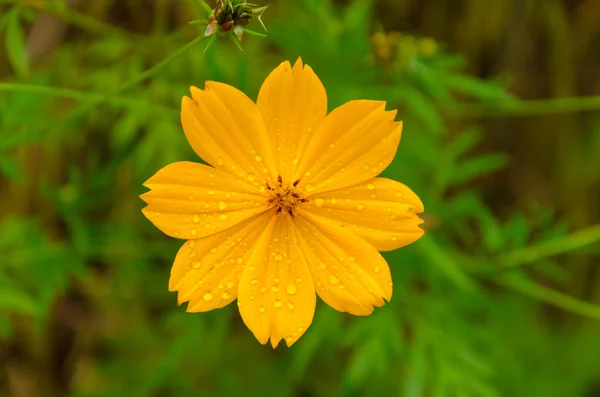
(15, 45)
(478, 166)
(18, 301)
(473, 87)
(10, 168)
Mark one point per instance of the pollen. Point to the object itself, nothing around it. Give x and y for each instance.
(284, 197)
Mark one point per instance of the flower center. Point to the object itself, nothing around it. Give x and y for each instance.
(285, 197)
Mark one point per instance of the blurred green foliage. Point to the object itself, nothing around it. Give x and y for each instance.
(484, 305)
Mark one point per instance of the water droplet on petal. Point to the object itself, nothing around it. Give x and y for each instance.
(370, 186)
(229, 284)
(193, 232)
(310, 187)
(319, 202)
(262, 309)
(251, 177)
(196, 218)
(392, 216)
(333, 280)
(207, 296)
(211, 192)
(377, 269)
(278, 257)
(291, 289)
(277, 303)
(274, 288)
(222, 205)
(290, 306)
(360, 206)
(220, 161)
(258, 158)
(225, 295)
(254, 281)
(263, 290)
(223, 217)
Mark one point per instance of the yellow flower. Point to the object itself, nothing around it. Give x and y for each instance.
(290, 204)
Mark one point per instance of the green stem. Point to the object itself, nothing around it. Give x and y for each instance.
(81, 96)
(550, 296)
(539, 107)
(75, 18)
(547, 249)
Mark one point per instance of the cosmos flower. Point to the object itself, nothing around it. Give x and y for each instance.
(288, 207)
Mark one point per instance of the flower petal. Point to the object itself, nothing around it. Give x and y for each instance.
(226, 129)
(293, 103)
(355, 143)
(190, 200)
(206, 271)
(381, 211)
(349, 274)
(276, 294)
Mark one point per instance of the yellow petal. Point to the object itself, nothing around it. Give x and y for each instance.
(381, 211)
(349, 274)
(190, 200)
(293, 103)
(354, 143)
(276, 294)
(226, 129)
(206, 271)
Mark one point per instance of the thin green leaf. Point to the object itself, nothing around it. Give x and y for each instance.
(15, 45)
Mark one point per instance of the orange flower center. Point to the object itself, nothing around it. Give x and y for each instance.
(284, 197)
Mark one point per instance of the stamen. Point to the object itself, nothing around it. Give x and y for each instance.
(280, 180)
(296, 183)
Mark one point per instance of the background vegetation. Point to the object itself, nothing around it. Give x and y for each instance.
(501, 141)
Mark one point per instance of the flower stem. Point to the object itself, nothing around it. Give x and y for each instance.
(546, 249)
(538, 107)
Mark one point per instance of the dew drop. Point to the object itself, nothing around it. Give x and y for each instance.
(392, 216)
(263, 290)
(192, 244)
(211, 192)
(254, 281)
(377, 269)
(251, 177)
(352, 259)
(213, 250)
(290, 306)
(333, 201)
(295, 161)
(398, 194)
(274, 288)
(229, 284)
(220, 161)
(333, 280)
(207, 296)
(262, 309)
(291, 289)
(196, 218)
(278, 257)
(310, 187)
(319, 202)
(307, 173)
(370, 186)
(277, 303)
(193, 231)
(300, 329)
(223, 217)
(258, 158)
(225, 295)
(360, 206)
(322, 266)
(222, 205)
